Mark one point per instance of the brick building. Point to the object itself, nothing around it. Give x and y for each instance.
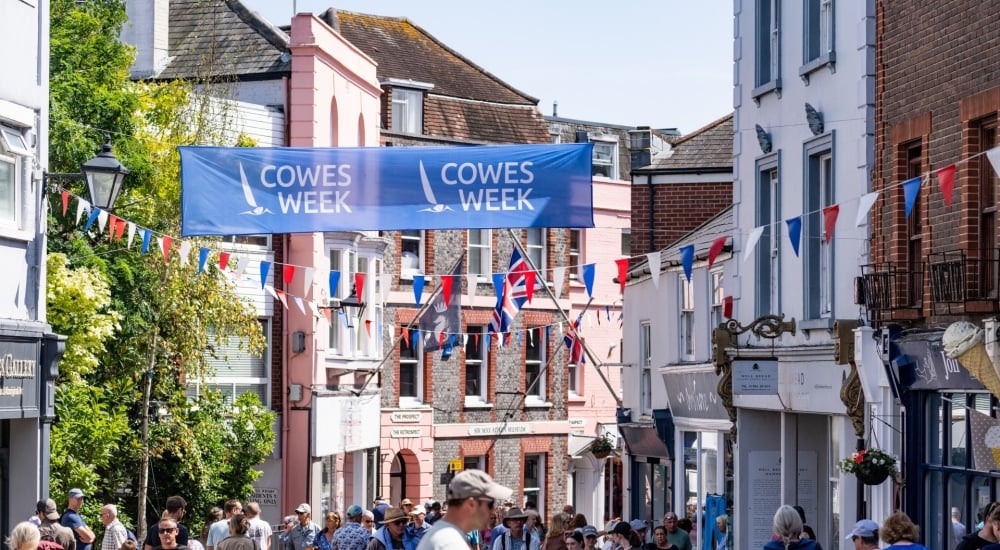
(939, 98)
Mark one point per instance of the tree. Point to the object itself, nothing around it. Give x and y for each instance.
(132, 319)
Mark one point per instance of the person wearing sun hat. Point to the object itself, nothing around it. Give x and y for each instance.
(353, 535)
(472, 496)
(390, 535)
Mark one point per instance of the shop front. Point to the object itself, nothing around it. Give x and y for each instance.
(649, 465)
(701, 432)
(345, 453)
(791, 432)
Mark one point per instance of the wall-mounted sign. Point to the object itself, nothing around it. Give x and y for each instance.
(694, 394)
(755, 377)
(398, 433)
(510, 428)
(19, 379)
(404, 417)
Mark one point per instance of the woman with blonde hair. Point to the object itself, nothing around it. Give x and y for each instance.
(331, 522)
(899, 531)
(555, 538)
(24, 536)
(788, 529)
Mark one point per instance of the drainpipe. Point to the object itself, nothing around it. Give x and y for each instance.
(649, 184)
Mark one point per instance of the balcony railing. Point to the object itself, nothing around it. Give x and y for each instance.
(958, 279)
(890, 286)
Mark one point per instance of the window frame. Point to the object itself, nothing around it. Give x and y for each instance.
(716, 299)
(818, 255)
(536, 340)
(768, 42)
(576, 254)
(485, 268)
(416, 362)
(410, 103)
(646, 368)
(12, 218)
(599, 162)
(538, 249)
(539, 489)
(818, 23)
(344, 342)
(686, 318)
(767, 287)
(986, 180)
(420, 241)
(194, 387)
(481, 360)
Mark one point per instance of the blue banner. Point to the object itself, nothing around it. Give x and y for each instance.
(249, 190)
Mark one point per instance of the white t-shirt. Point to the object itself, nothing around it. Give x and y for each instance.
(443, 536)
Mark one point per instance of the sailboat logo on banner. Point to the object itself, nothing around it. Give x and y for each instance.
(429, 194)
(248, 196)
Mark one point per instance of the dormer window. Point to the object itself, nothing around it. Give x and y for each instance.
(407, 105)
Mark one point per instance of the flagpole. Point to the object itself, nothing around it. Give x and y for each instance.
(396, 339)
(565, 317)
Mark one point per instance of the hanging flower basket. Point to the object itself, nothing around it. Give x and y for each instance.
(870, 466)
(602, 447)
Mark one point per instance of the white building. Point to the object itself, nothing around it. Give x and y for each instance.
(804, 98)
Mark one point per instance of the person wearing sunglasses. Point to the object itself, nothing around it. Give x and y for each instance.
(167, 531)
(392, 532)
(472, 496)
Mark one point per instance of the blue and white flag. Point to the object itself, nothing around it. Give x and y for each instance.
(250, 190)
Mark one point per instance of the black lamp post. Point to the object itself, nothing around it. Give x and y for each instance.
(104, 175)
(349, 305)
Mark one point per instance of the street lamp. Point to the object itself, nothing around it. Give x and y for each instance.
(348, 305)
(104, 175)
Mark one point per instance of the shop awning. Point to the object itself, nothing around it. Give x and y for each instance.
(579, 444)
(643, 441)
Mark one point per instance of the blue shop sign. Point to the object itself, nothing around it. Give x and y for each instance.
(919, 363)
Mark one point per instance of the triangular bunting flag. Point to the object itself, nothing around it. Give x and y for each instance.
(131, 234)
(471, 279)
(185, 252)
(165, 242)
(328, 315)
(588, 279)
(994, 157)
(112, 225)
(911, 189)
(94, 214)
(300, 305)
(794, 232)
(147, 235)
(446, 283)
(81, 207)
(223, 260)
(655, 263)
(241, 267)
(946, 179)
(102, 220)
(622, 264)
(405, 333)
(264, 268)
(865, 204)
(830, 214)
(418, 288)
(307, 280)
(752, 241)
(440, 340)
(687, 260)
(558, 278)
(270, 290)
(281, 296)
(287, 275)
(359, 285)
(119, 229)
(368, 327)
(717, 245)
(202, 258)
(334, 283)
(65, 201)
(529, 284)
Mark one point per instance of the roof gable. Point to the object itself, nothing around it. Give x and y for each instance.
(708, 147)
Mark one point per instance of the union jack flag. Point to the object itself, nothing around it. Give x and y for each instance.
(574, 345)
(513, 295)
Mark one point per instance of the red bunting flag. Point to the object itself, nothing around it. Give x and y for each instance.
(223, 260)
(288, 273)
(359, 284)
(622, 272)
(120, 229)
(281, 296)
(368, 327)
(727, 307)
(717, 245)
(112, 226)
(446, 284)
(830, 214)
(329, 316)
(440, 339)
(65, 201)
(946, 178)
(405, 333)
(477, 339)
(529, 284)
(165, 247)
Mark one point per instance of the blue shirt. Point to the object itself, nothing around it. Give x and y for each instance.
(352, 536)
(302, 537)
(73, 520)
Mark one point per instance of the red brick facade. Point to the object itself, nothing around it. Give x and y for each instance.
(677, 209)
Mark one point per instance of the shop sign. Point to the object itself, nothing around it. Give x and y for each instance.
(397, 433)
(755, 377)
(345, 423)
(266, 496)
(577, 424)
(19, 379)
(694, 394)
(510, 428)
(404, 417)
(922, 365)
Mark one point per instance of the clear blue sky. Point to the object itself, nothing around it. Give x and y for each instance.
(661, 63)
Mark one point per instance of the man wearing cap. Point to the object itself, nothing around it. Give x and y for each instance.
(353, 535)
(864, 535)
(379, 508)
(48, 524)
(472, 495)
(220, 529)
(304, 534)
(416, 529)
(392, 531)
(675, 535)
(71, 519)
(176, 508)
(433, 512)
(515, 536)
(640, 528)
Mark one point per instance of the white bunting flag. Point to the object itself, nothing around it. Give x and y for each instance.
(131, 233)
(994, 156)
(752, 241)
(559, 276)
(298, 302)
(81, 206)
(241, 268)
(865, 204)
(185, 252)
(655, 262)
(102, 220)
(270, 290)
(470, 282)
(307, 280)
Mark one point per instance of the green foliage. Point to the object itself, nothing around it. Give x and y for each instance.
(131, 317)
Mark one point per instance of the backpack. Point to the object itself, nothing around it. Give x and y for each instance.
(505, 536)
(48, 542)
